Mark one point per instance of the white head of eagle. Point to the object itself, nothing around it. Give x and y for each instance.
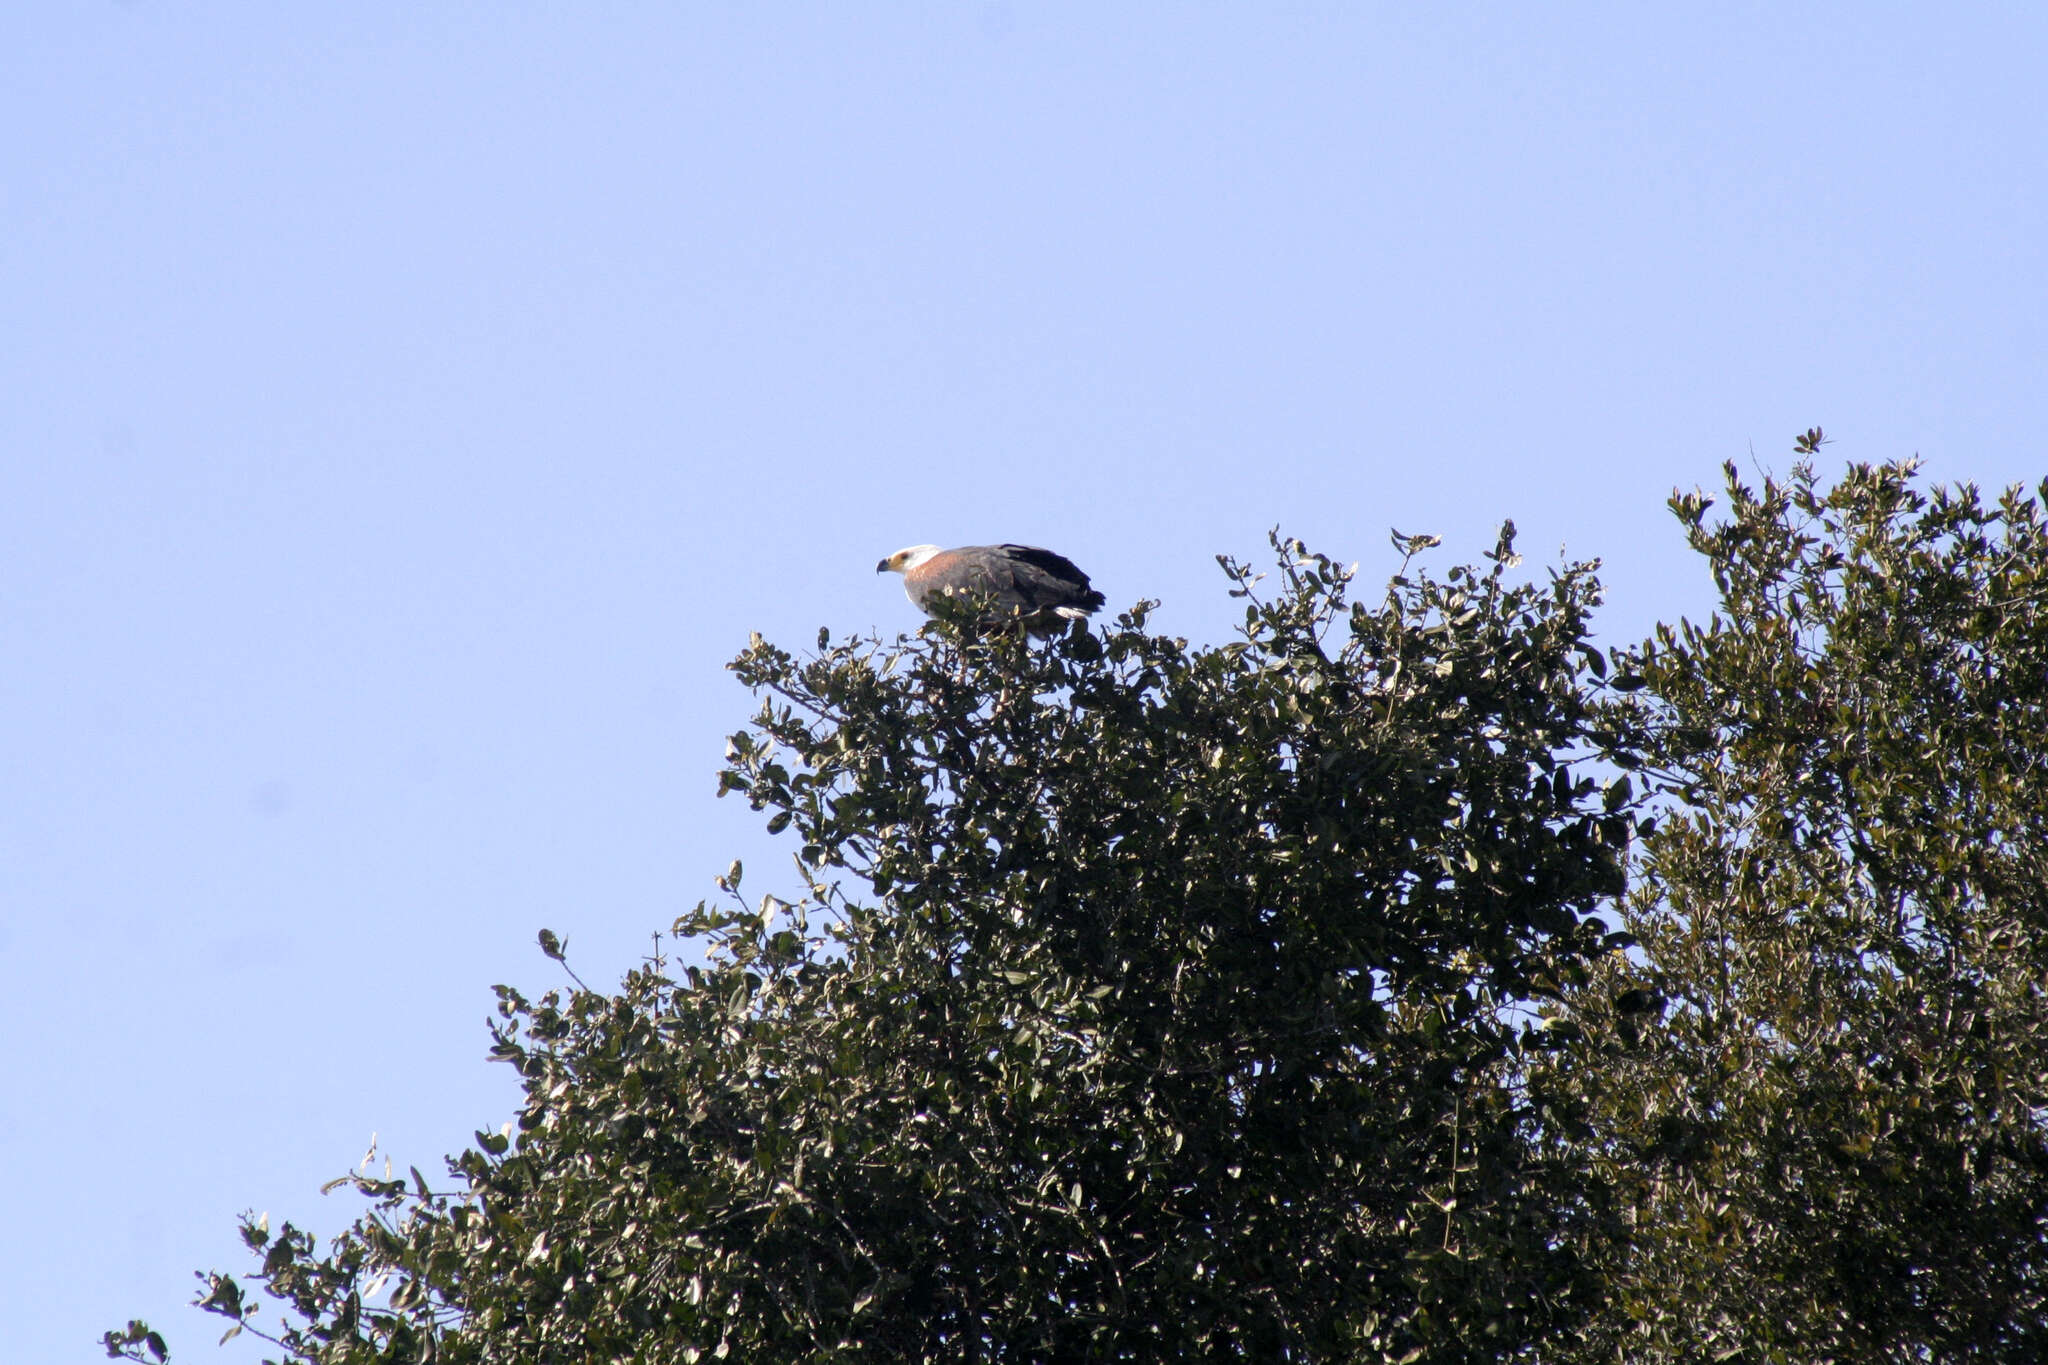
(1042, 587)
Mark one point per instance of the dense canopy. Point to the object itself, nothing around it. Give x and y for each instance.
(1406, 980)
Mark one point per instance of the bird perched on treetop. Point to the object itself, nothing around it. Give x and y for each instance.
(1038, 585)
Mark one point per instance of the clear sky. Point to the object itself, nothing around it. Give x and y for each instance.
(405, 410)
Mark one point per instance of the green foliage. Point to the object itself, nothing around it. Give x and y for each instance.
(1144, 1002)
(1141, 1002)
(1832, 1143)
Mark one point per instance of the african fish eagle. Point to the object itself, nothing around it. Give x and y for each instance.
(1045, 588)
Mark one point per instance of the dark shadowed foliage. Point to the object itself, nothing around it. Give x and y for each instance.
(1823, 1089)
(1133, 1001)
(1139, 1002)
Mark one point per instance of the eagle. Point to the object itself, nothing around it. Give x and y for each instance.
(1045, 589)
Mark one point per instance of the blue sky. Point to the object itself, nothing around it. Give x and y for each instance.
(408, 409)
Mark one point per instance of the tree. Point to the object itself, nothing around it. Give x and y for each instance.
(1141, 1002)
(1822, 1084)
(1138, 1001)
